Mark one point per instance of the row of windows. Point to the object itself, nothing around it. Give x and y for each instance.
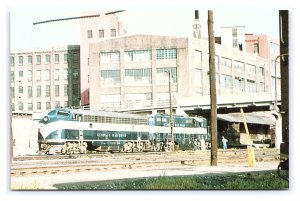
(47, 105)
(101, 33)
(138, 76)
(45, 76)
(238, 84)
(226, 62)
(38, 59)
(137, 55)
(39, 91)
(238, 65)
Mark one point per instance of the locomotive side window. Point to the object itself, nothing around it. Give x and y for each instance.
(63, 113)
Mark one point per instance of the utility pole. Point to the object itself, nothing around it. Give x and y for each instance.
(284, 69)
(213, 96)
(171, 122)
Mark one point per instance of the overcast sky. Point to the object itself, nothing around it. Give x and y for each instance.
(161, 21)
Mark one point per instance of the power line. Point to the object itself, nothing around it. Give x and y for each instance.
(62, 19)
(74, 18)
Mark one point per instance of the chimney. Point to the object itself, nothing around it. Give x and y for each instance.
(197, 26)
(196, 14)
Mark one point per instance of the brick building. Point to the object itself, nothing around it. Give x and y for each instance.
(41, 79)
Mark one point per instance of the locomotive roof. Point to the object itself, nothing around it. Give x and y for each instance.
(110, 114)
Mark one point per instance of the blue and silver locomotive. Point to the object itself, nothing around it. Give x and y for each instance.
(70, 131)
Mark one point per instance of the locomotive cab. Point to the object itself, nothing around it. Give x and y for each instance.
(57, 114)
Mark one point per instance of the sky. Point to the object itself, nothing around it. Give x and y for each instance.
(158, 21)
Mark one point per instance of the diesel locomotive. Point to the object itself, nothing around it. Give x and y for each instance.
(69, 131)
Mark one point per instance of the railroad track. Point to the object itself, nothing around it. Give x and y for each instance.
(116, 154)
(103, 162)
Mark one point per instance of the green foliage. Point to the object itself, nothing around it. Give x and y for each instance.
(267, 180)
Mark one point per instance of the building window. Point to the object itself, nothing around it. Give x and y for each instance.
(110, 77)
(12, 92)
(101, 33)
(56, 74)
(47, 59)
(255, 48)
(251, 87)
(234, 43)
(239, 66)
(48, 106)
(29, 91)
(138, 76)
(21, 60)
(20, 74)
(38, 59)
(29, 106)
(261, 87)
(57, 104)
(261, 71)
(12, 76)
(65, 90)
(56, 90)
(47, 90)
(166, 53)
(226, 62)
(12, 60)
(75, 74)
(109, 57)
(65, 74)
(113, 32)
(29, 59)
(227, 81)
(90, 33)
(66, 104)
(65, 58)
(162, 77)
(250, 69)
(38, 105)
(274, 48)
(20, 89)
(38, 75)
(29, 73)
(21, 106)
(38, 91)
(234, 32)
(138, 55)
(56, 58)
(239, 84)
(47, 75)
(12, 107)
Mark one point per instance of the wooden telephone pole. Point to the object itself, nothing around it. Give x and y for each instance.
(213, 96)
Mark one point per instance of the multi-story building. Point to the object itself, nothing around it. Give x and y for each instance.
(95, 29)
(132, 69)
(267, 47)
(233, 37)
(40, 79)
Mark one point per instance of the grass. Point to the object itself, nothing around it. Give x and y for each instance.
(267, 180)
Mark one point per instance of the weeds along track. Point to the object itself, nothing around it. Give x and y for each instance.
(102, 162)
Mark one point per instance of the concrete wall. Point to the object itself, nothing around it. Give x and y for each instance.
(25, 136)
